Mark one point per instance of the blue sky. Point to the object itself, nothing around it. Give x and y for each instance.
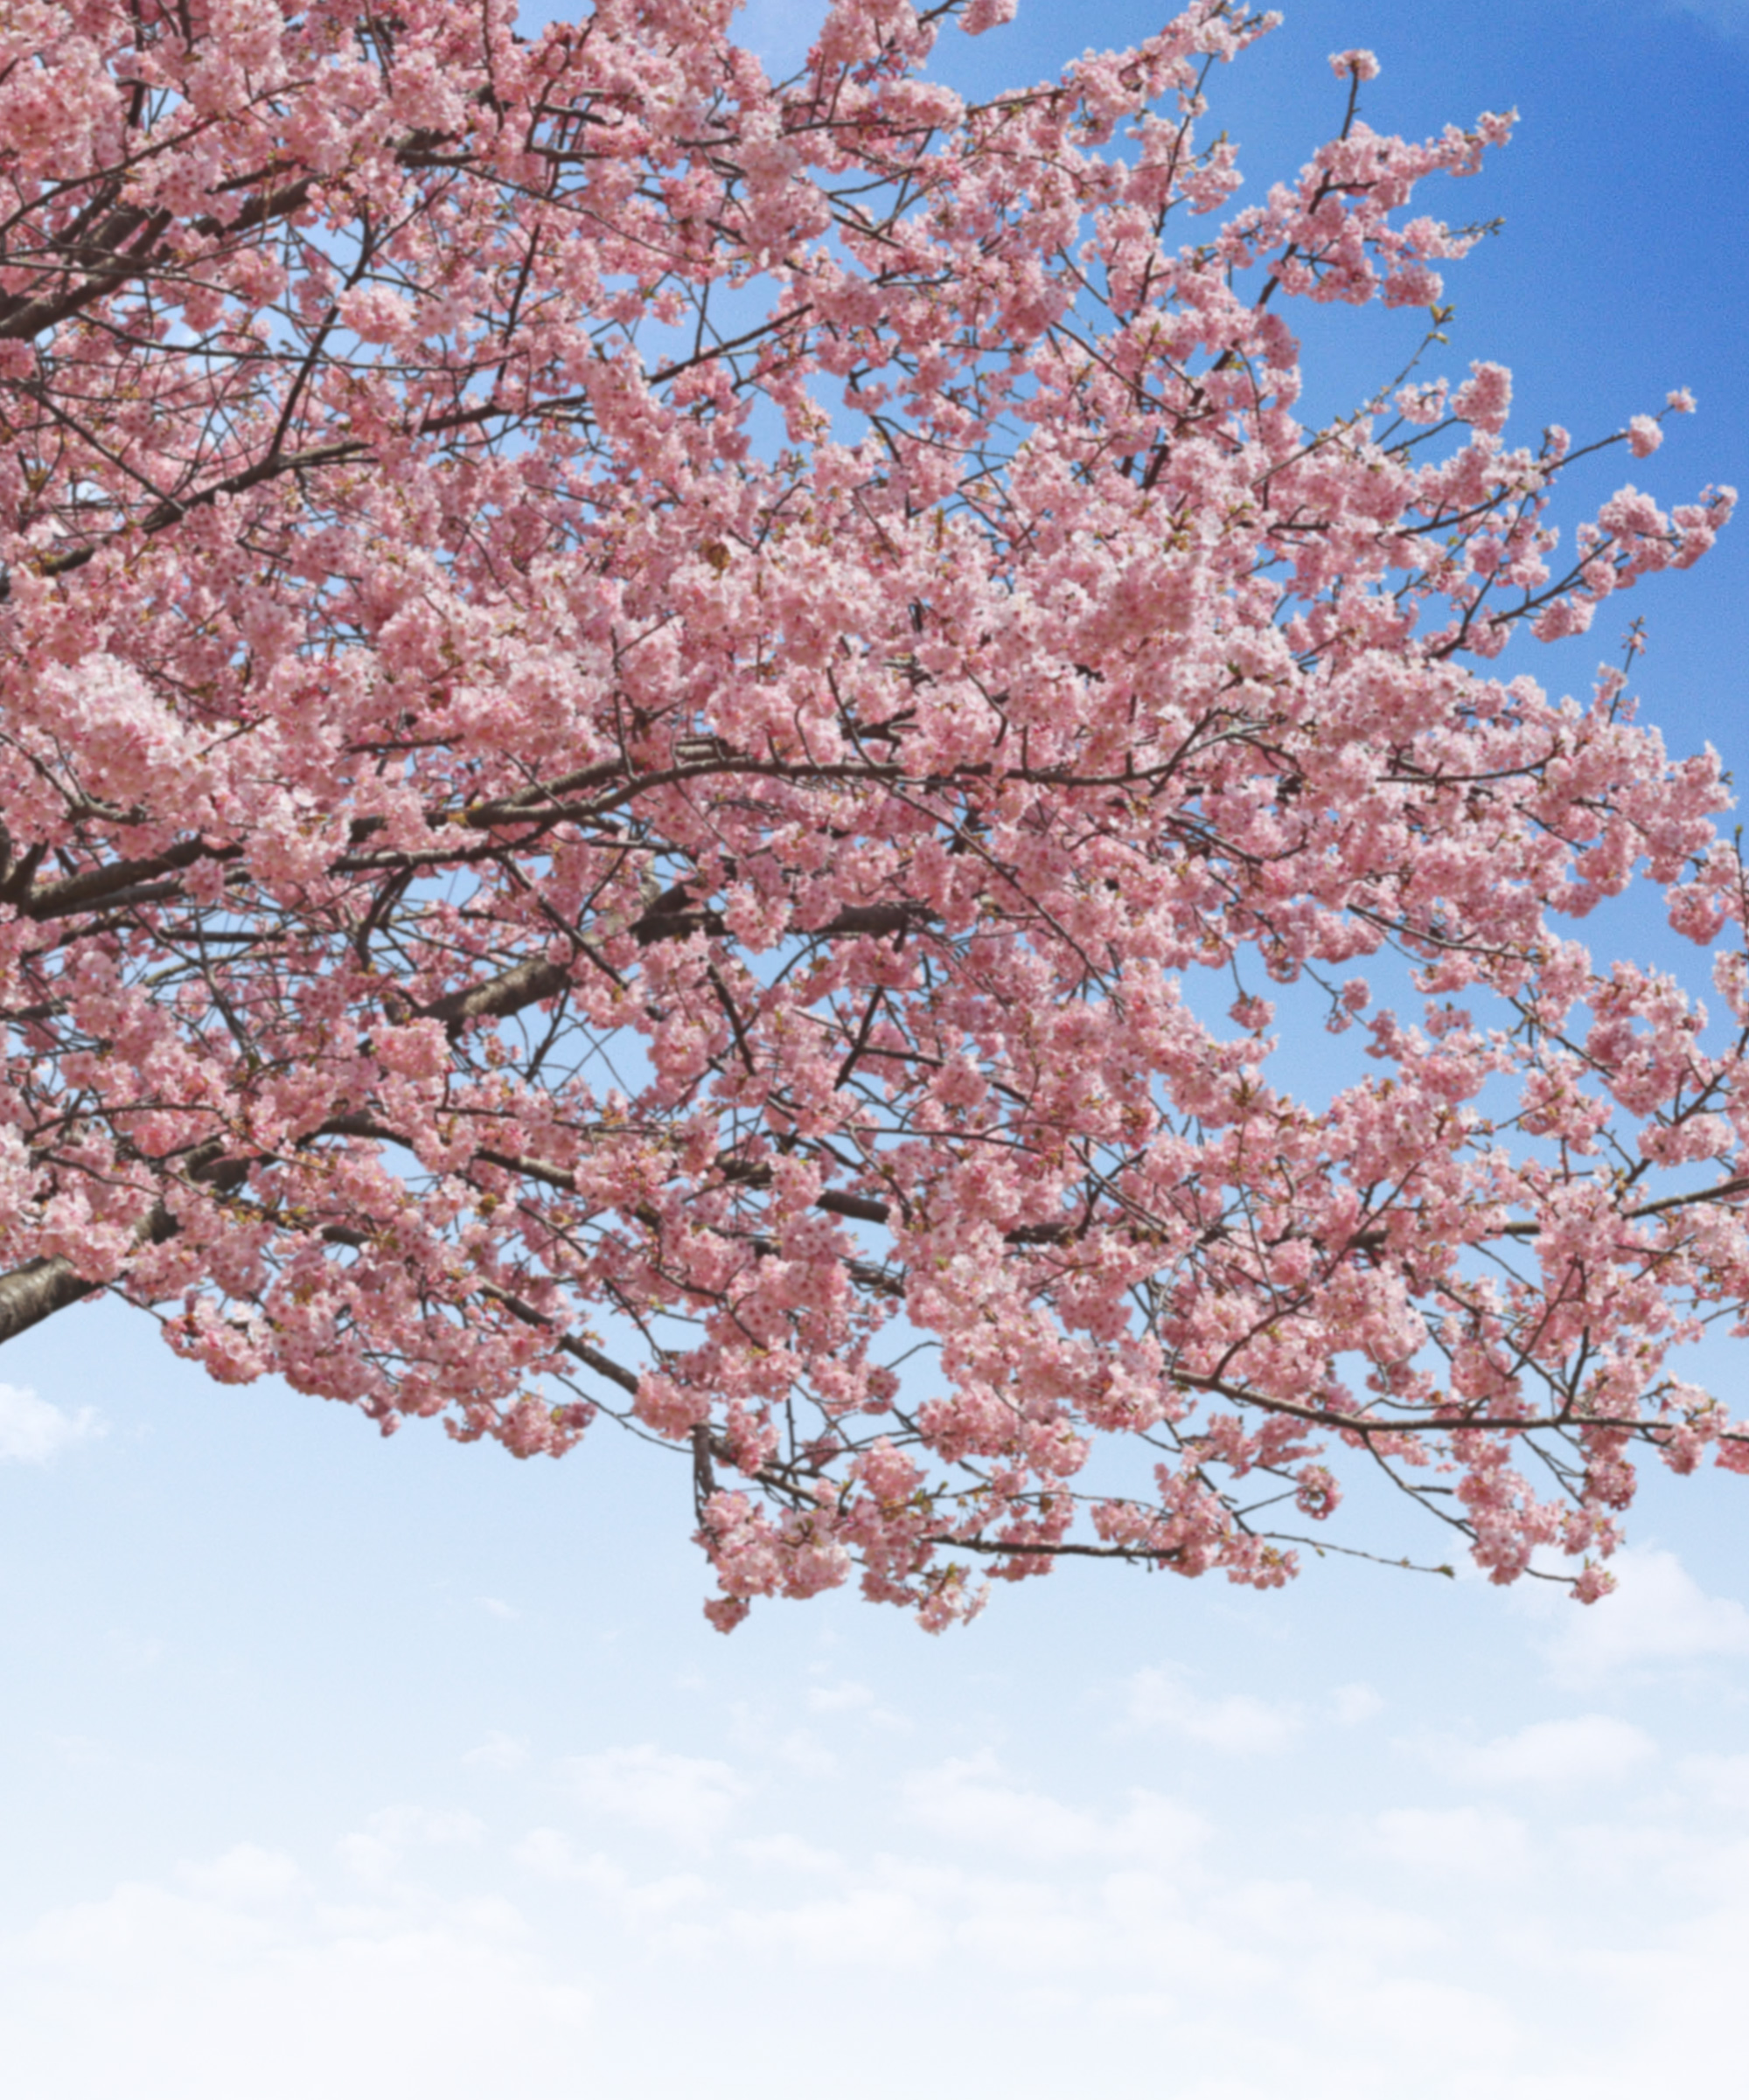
(334, 1766)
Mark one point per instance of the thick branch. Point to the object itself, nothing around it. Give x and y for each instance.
(525, 985)
(117, 880)
(50, 1284)
(40, 1288)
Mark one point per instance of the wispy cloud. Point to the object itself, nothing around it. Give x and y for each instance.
(1234, 1721)
(970, 1800)
(1659, 1615)
(784, 1852)
(1728, 17)
(33, 1430)
(1482, 1844)
(1723, 1780)
(246, 1876)
(236, 1977)
(377, 1852)
(1351, 1704)
(1018, 1930)
(1590, 1747)
(499, 1753)
(687, 1799)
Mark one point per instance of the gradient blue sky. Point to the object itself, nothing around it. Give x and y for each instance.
(335, 1767)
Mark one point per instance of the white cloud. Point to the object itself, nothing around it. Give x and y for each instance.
(687, 1799)
(968, 1800)
(550, 1854)
(802, 1750)
(1723, 1780)
(1160, 1699)
(1622, 1853)
(788, 1854)
(1658, 1615)
(246, 1874)
(1549, 1753)
(866, 1926)
(1394, 2016)
(1082, 1945)
(33, 1430)
(1276, 1917)
(841, 1699)
(408, 1824)
(375, 1853)
(554, 1856)
(1481, 1843)
(241, 1981)
(849, 1697)
(1032, 1925)
(798, 1748)
(1352, 1704)
(499, 1753)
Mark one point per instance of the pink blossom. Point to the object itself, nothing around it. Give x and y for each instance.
(1484, 398)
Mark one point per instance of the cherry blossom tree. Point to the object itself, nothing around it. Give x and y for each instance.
(659, 732)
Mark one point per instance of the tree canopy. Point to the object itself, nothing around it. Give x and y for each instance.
(659, 732)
